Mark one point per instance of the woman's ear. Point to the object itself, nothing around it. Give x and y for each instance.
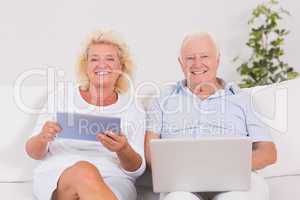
(179, 60)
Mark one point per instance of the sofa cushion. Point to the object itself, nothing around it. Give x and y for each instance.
(277, 106)
(16, 191)
(17, 124)
(284, 187)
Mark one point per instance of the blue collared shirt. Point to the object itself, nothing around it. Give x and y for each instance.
(177, 112)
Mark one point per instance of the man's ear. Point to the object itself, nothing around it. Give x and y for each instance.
(218, 59)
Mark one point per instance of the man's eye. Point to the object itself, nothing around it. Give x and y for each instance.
(110, 59)
(190, 58)
(204, 56)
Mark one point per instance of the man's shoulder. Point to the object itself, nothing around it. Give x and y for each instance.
(242, 98)
(165, 92)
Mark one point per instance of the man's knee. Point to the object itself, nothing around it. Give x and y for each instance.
(236, 195)
(259, 190)
(180, 196)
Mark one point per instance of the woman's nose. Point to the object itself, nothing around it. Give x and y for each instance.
(101, 63)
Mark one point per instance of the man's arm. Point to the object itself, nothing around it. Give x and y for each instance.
(263, 154)
(148, 137)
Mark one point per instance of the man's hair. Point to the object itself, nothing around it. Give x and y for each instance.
(201, 35)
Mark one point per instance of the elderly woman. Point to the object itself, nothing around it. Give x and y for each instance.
(104, 169)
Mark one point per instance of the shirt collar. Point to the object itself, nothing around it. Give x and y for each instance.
(229, 88)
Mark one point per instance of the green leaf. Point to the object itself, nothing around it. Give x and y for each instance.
(292, 75)
(282, 10)
(265, 65)
(277, 42)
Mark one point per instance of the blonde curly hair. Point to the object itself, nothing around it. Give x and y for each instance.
(112, 38)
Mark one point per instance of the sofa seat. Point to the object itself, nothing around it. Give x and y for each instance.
(283, 187)
(16, 191)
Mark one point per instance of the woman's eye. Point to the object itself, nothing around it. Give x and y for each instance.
(93, 60)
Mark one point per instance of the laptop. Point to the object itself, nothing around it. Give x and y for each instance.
(85, 127)
(201, 165)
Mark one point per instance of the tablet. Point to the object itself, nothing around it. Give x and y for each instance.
(84, 126)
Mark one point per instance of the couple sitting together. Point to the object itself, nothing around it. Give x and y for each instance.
(106, 169)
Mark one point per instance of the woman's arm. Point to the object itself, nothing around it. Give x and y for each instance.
(130, 160)
(37, 146)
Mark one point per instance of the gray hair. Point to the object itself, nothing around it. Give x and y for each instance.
(200, 35)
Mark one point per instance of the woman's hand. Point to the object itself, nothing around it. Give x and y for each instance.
(37, 146)
(112, 141)
(49, 131)
(130, 160)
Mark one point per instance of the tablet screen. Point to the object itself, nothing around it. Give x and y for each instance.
(84, 126)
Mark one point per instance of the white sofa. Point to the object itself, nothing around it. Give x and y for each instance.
(277, 105)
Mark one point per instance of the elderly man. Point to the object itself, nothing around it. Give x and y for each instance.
(204, 105)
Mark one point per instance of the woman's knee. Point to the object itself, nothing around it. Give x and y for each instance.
(180, 196)
(84, 170)
(81, 173)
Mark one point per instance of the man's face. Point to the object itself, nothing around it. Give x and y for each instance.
(199, 60)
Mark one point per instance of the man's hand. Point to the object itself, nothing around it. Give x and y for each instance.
(148, 137)
(263, 154)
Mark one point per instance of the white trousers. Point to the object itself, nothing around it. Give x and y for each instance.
(258, 191)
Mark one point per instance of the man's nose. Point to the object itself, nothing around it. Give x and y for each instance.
(198, 61)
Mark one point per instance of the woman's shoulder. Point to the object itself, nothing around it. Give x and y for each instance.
(132, 105)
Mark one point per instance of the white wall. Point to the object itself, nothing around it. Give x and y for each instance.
(40, 34)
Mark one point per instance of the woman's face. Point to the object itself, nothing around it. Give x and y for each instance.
(103, 65)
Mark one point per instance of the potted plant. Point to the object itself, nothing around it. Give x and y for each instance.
(265, 66)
